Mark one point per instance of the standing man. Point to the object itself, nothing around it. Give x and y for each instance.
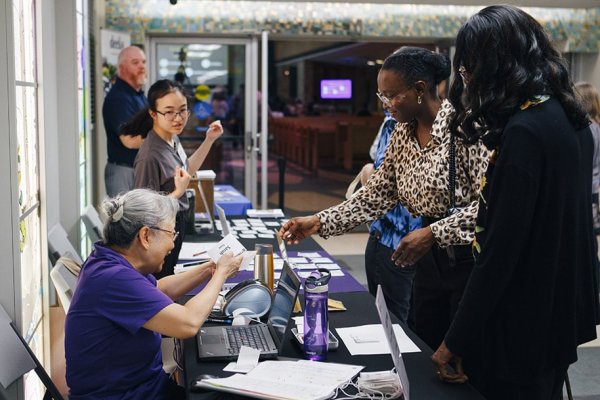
(122, 102)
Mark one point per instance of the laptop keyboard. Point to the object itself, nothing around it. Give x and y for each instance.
(250, 336)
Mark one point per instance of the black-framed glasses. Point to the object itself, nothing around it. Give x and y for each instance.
(462, 71)
(387, 101)
(175, 234)
(171, 115)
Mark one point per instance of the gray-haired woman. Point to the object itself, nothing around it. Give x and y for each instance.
(119, 310)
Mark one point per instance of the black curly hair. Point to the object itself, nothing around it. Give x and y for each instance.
(508, 59)
(419, 64)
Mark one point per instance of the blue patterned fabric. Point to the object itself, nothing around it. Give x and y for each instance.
(398, 222)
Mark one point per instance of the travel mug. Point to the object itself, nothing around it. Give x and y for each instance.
(264, 269)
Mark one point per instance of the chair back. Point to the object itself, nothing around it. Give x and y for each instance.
(93, 223)
(17, 358)
(64, 276)
(59, 245)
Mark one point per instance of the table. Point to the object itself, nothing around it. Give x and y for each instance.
(424, 384)
(337, 284)
(231, 200)
(361, 310)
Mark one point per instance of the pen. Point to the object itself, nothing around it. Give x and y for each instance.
(197, 254)
(190, 264)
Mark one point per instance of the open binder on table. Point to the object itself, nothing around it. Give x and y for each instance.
(290, 380)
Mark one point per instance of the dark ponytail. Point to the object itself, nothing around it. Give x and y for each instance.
(142, 123)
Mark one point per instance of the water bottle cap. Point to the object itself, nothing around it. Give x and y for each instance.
(318, 280)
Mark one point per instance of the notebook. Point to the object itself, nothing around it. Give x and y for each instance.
(224, 342)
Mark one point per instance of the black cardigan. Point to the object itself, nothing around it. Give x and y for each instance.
(531, 298)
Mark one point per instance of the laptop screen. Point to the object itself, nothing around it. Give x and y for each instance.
(223, 219)
(283, 302)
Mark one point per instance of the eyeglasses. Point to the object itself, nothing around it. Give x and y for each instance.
(464, 75)
(387, 101)
(171, 115)
(175, 234)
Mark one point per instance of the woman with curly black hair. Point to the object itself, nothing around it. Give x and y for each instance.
(530, 299)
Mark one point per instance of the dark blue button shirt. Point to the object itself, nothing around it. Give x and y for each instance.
(121, 103)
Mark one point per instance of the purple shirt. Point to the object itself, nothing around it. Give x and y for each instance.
(109, 353)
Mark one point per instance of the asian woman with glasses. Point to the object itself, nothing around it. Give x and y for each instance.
(120, 310)
(431, 175)
(161, 163)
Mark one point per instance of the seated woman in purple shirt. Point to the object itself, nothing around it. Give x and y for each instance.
(119, 310)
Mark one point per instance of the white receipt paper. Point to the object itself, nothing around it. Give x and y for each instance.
(246, 361)
(370, 339)
(290, 380)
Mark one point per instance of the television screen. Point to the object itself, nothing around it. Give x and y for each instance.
(336, 89)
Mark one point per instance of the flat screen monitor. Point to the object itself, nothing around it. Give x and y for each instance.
(336, 89)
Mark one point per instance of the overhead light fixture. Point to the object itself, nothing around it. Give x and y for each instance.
(371, 63)
(379, 61)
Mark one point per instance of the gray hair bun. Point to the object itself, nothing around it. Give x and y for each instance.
(114, 209)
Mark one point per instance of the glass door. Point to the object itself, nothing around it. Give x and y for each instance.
(220, 76)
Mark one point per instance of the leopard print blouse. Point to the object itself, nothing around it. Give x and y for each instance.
(418, 179)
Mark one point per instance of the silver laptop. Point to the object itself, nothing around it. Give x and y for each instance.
(224, 342)
(223, 220)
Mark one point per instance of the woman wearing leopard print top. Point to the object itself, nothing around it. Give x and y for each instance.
(415, 173)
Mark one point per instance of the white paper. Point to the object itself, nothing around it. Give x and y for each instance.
(269, 213)
(239, 222)
(305, 267)
(308, 254)
(248, 257)
(246, 361)
(297, 260)
(195, 251)
(379, 345)
(329, 266)
(247, 236)
(323, 260)
(292, 380)
(336, 272)
(278, 264)
(272, 223)
(265, 235)
(228, 243)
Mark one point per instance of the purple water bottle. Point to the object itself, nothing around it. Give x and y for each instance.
(316, 324)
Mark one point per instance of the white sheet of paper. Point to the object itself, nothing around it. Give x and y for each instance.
(308, 254)
(195, 251)
(297, 260)
(272, 223)
(278, 264)
(246, 361)
(337, 272)
(248, 257)
(323, 260)
(228, 243)
(378, 343)
(266, 235)
(239, 222)
(247, 236)
(304, 274)
(305, 267)
(329, 266)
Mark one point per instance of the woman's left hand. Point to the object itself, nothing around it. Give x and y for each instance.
(215, 129)
(413, 246)
(442, 358)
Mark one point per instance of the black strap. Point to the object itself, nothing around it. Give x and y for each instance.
(452, 173)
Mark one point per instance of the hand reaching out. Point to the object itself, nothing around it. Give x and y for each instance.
(298, 228)
(443, 358)
(229, 265)
(215, 130)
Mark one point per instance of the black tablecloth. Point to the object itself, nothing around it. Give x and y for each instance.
(424, 384)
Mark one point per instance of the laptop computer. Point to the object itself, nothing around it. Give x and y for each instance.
(223, 219)
(388, 329)
(224, 342)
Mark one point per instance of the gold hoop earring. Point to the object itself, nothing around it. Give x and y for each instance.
(419, 99)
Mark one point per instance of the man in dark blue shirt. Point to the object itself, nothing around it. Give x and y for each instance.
(122, 102)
